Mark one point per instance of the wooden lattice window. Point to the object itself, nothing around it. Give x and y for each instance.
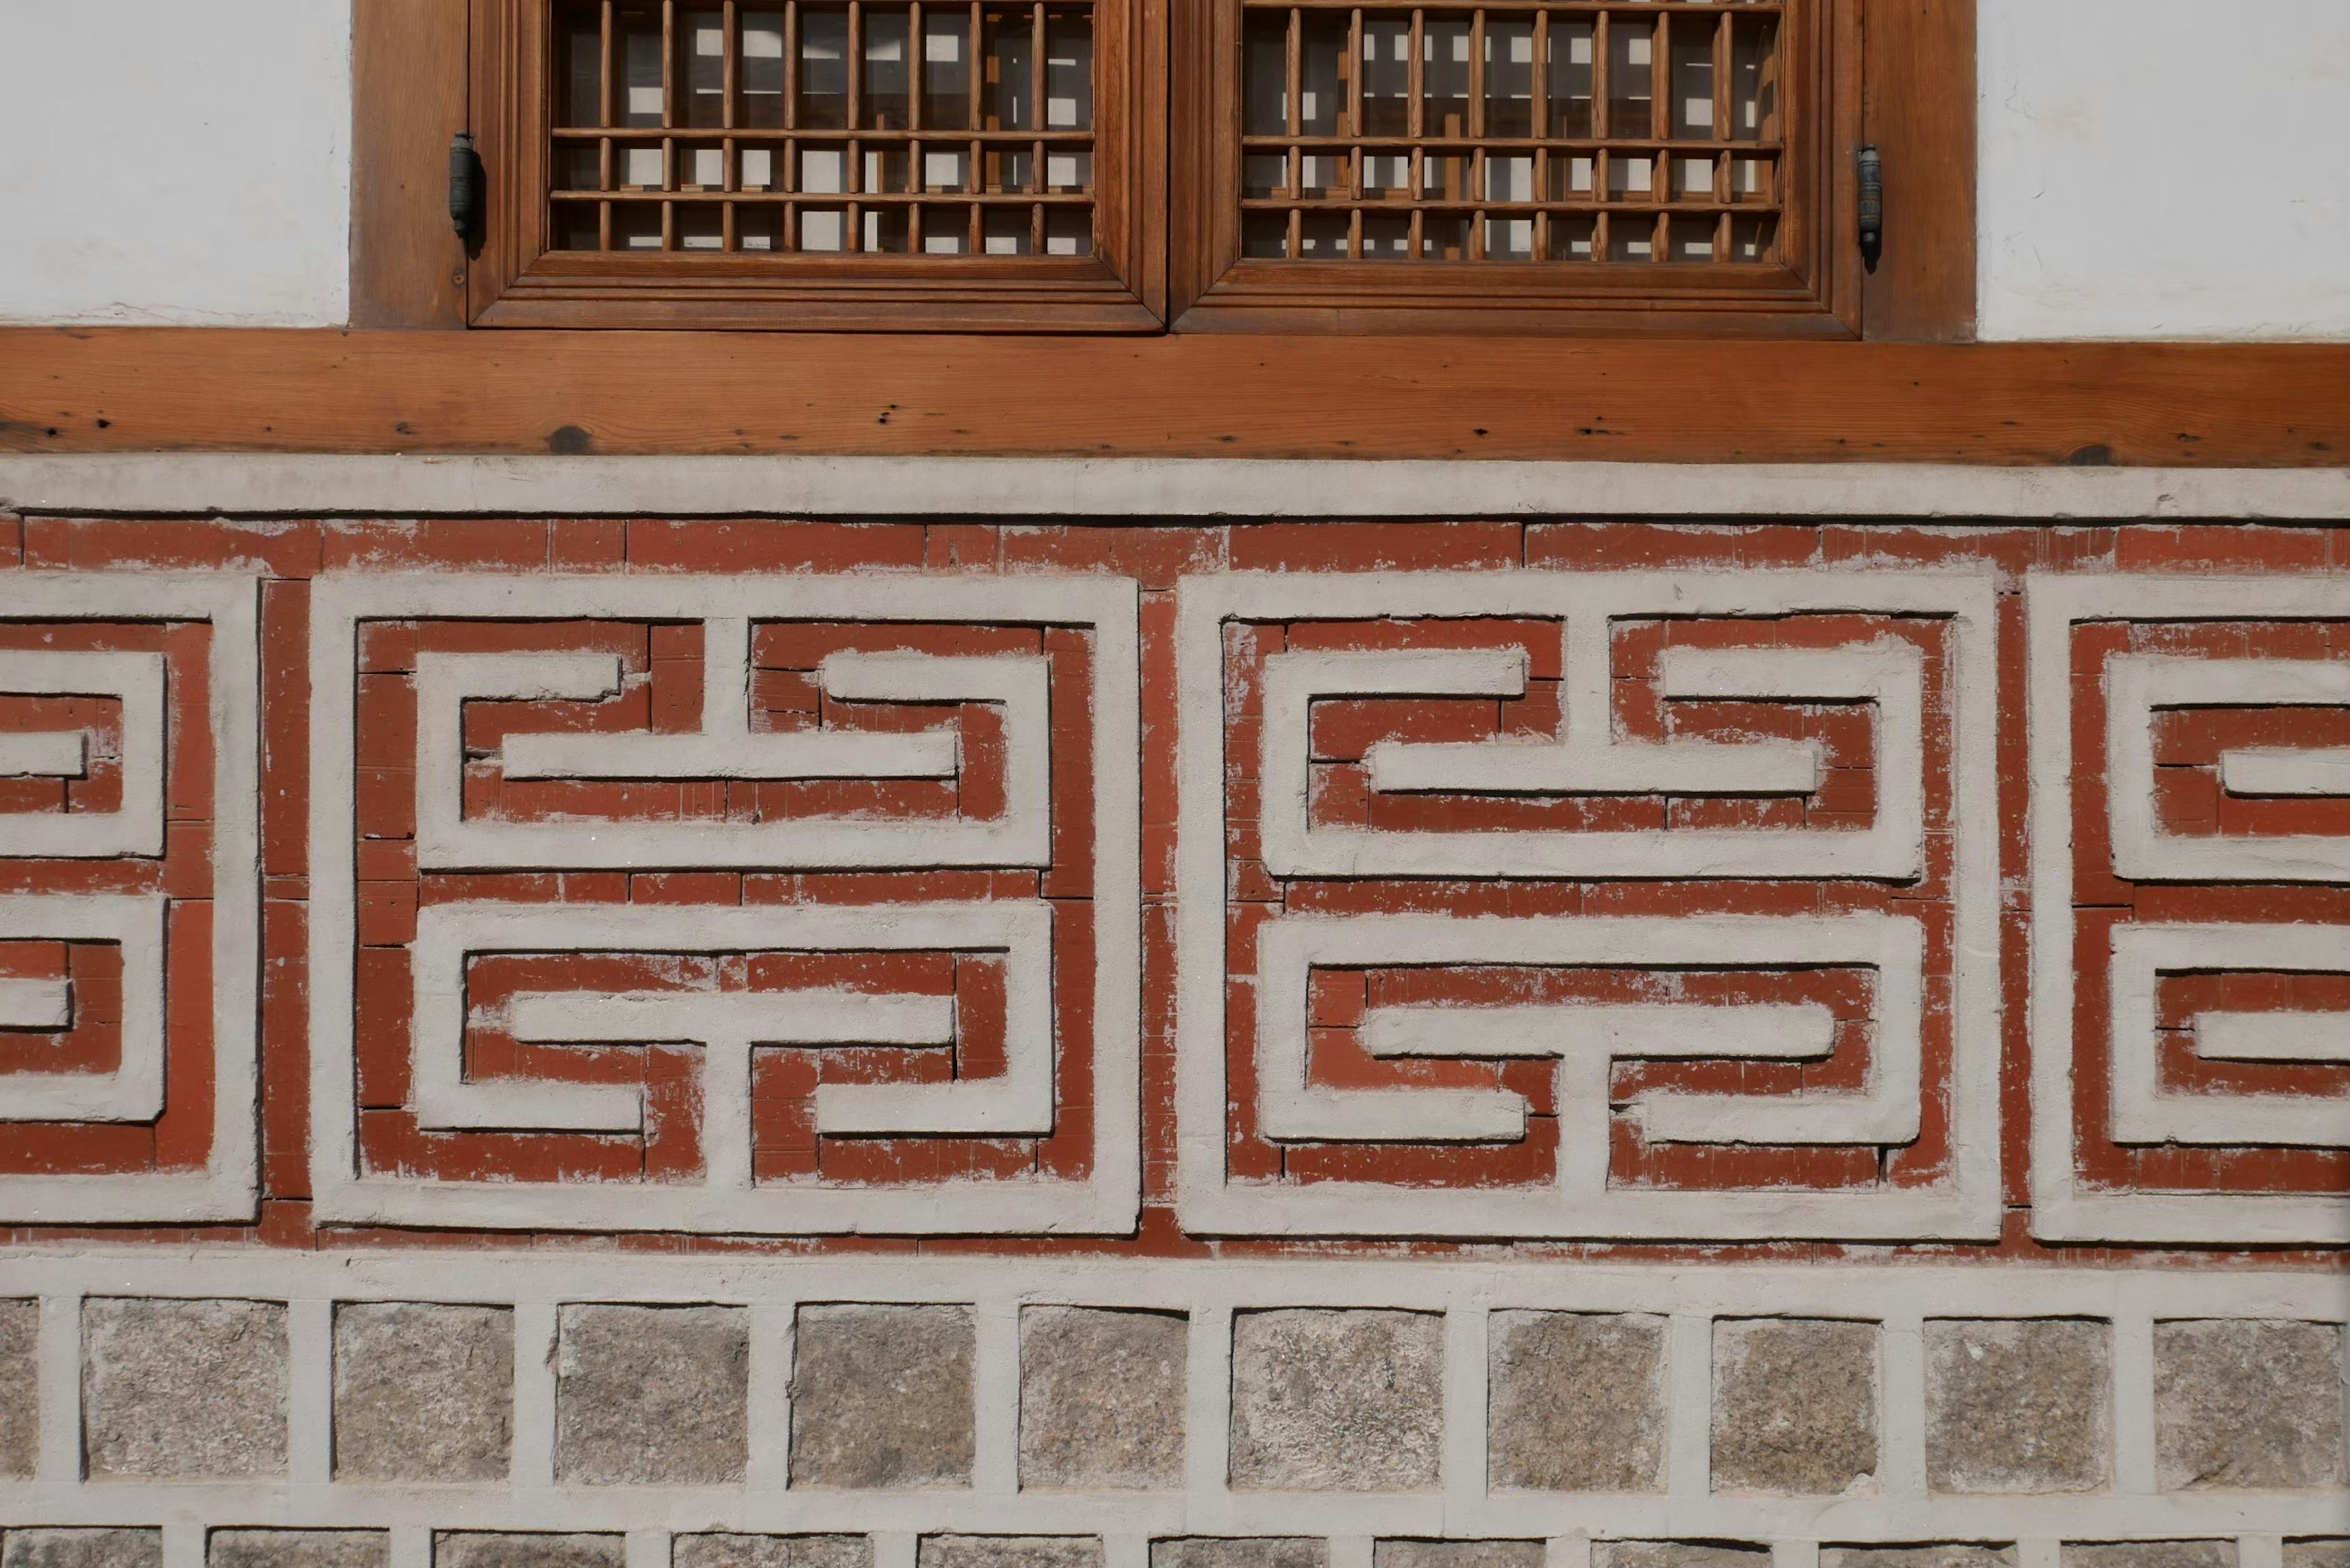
(1593, 163)
(911, 163)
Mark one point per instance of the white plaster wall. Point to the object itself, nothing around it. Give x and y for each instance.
(169, 162)
(2164, 169)
(2149, 168)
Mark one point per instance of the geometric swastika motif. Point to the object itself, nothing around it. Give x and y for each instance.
(2191, 1039)
(129, 904)
(726, 905)
(1592, 905)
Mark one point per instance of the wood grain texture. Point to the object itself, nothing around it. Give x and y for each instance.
(118, 390)
(1920, 111)
(408, 70)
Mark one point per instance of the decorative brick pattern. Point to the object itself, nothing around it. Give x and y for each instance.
(809, 1044)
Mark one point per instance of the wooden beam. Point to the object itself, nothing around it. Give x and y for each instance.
(205, 390)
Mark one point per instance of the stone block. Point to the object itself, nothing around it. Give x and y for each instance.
(2019, 1405)
(1575, 1402)
(2247, 1404)
(82, 1549)
(1009, 1552)
(722, 1551)
(881, 1397)
(1102, 1399)
(2149, 1554)
(502, 1549)
(1241, 1551)
(1457, 1554)
(651, 1395)
(424, 1393)
(1678, 1555)
(1943, 1554)
(1794, 1404)
(1336, 1400)
(2318, 1552)
(182, 1389)
(20, 1396)
(297, 1549)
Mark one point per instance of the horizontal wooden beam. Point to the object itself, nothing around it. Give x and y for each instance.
(205, 390)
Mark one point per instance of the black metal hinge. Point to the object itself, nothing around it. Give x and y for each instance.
(465, 185)
(1872, 207)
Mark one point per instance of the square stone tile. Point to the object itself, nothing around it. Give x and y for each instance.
(297, 1549)
(718, 1550)
(882, 1396)
(2246, 1404)
(502, 1549)
(2019, 1405)
(182, 1389)
(1945, 1554)
(651, 1395)
(20, 1390)
(2149, 1554)
(1457, 1554)
(423, 1392)
(1102, 1399)
(1240, 1552)
(1794, 1404)
(1575, 1402)
(2318, 1552)
(1338, 1400)
(1009, 1552)
(82, 1549)
(1678, 1555)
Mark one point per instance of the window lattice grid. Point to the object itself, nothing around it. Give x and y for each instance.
(1576, 130)
(874, 126)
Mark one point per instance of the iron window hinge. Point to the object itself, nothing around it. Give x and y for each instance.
(1872, 206)
(465, 185)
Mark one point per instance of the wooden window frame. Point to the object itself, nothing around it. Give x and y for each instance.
(1914, 102)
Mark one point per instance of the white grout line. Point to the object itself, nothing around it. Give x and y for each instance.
(310, 1399)
(2134, 1465)
(768, 1467)
(1795, 1555)
(1465, 1330)
(995, 1380)
(2038, 1552)
(1125, 1552)
(1350, 1551)
(412, 1547)
(59, 1391)
(534, 1418)
(1689, 1405)
(1902, 1408)
(648, 1549)
(1572, 1550)
(183, 1546)
(2260, 1551)
(1208, 1412)
(895, 1549)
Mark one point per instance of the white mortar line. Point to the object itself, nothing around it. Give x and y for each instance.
(58, 1377)
(310, 1396)
(1125, 1552)
(1901, 1406)
(534, 1418)
(241, 483)
(2134, 1402)
(2039, 1552)
(895, 1548)
(1791, 1554)
(183, 1545)
(1465, 1376)
(1208, 1414)
(648, 1549)
(2260, 1551)
(1350, 1551)
(768, 1467)
(1689, 1405)
(995, 1388)
(412, 1546)
(1572, 1550)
